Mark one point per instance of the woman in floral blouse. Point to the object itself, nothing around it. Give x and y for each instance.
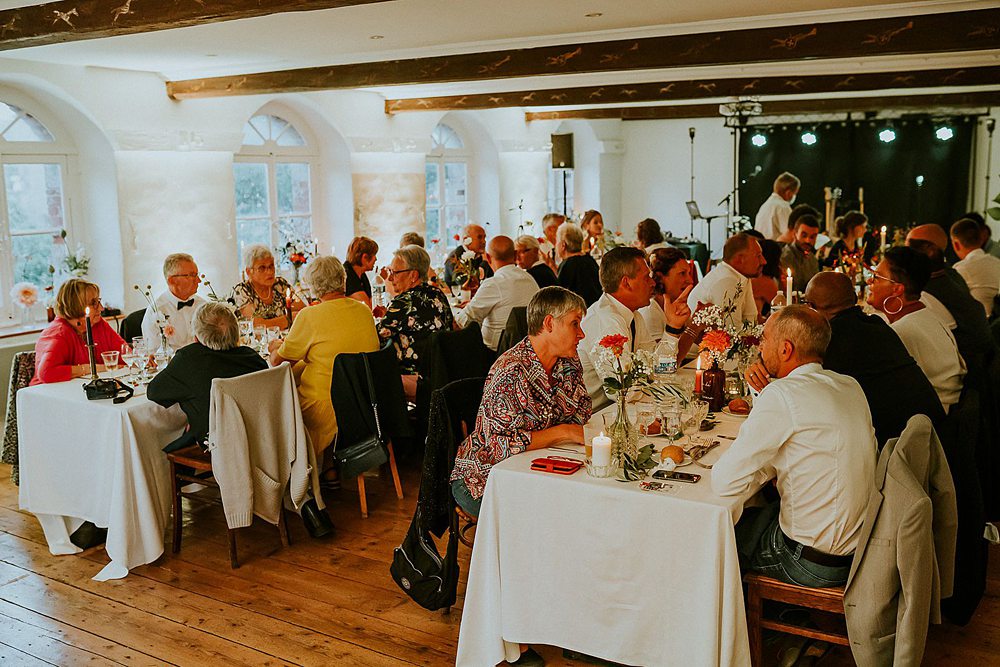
(418, 309)
(535, 396)
(262, 295)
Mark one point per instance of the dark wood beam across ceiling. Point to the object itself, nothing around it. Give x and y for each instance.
(928, 33)
(73, 20)
(704, 88)
(785, 107)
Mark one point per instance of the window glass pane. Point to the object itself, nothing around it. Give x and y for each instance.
(8, 114)
(32, 257)
(251, 137)
(433, 227)
(456, 218)
(454, 183)
(34, 196)
(255, 230)
(293, 187)
(277, 125)
(291, 137)
(27, 129)
(433, 185)
(251, 188)
(262, 126)
(444, 137)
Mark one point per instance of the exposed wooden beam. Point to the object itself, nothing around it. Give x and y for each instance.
(703, 88)
(929, 33)
(72, 20)
(784, 107)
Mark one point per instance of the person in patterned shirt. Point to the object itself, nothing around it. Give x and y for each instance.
(535, 396)
(417, 310)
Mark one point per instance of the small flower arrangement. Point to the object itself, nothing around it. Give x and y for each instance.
(622, 370)
(77, 264)
(724, 337)
(298, 252)
(613, 239)
(162, 320)
(462, 266)
(24, 294)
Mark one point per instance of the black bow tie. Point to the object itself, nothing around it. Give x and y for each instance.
(182, 304)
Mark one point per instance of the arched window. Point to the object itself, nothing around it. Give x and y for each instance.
(35, 237)
(273, 175)
(447, 179)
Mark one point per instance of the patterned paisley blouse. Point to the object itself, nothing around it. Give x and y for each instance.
(517, 400)
(412, 316)
(244, 293)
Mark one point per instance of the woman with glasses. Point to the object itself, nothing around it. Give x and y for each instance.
(262, 295)
(895, 289)
(61, 350)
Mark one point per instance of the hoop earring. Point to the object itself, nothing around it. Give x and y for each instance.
(892, 312)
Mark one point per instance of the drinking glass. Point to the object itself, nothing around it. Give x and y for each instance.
(701, 410)
(733, 387)
(456, 291)
(671, 422)
(161, 358)
(110, 359)
(128, 357)
(246, 331)
(645, 416)
(273, 333)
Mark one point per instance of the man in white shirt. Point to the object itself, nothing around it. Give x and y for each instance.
(742, 259)
(980, 271)
(811, 430)
(510, 287)
(772, 217)
(547, 248)
(175, 307)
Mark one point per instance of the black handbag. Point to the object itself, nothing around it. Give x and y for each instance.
(368, 453)
(418, 568)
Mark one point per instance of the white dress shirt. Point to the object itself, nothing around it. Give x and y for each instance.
(719, 285)
(811, 431)
(772, 217)
(605, 317)
(180, 320)
(546, 249)
(982, 274)
(933, 347)
(655, 320)
(933, 304)
(510, 287)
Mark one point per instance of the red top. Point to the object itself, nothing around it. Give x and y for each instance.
(60, 347)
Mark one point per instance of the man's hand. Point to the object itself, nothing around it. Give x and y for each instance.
(274, 345)
(677, 313)
(757, 376)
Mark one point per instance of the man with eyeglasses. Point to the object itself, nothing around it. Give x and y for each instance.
(175, 307)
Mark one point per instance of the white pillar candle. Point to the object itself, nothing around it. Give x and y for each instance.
(602, 450)
(788, 288)
(883, 238)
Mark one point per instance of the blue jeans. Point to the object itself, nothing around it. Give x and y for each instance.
(763, 549)
(464, 499)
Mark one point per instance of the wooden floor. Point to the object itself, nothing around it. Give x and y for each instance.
(314, 603)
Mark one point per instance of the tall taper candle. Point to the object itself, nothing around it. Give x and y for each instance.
(288, 306)
(90, 344)
(882, 247)
(788, 288)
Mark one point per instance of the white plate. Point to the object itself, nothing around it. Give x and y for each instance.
(670, 465)
(727, 411)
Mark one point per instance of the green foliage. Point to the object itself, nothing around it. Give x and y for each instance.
(635, 469)
(994, 211)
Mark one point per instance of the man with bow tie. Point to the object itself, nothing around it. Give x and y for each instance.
(175, 307)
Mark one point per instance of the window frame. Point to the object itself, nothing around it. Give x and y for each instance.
(442, 156)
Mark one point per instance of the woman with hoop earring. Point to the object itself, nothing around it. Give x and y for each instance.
(895, 290)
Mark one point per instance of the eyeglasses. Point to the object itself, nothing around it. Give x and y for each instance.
(880, 277)
(184, 275)
(394, 272)
(264, 268)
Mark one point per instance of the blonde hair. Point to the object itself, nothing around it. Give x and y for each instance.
(72, 299)
(361, 245)
(786, 182)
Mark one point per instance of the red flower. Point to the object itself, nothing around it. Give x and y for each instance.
(457, 237)
(541, 239)
(615, 343)
(435, 240)
(717, 341)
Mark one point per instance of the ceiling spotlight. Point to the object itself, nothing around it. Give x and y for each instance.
(920, 180)
(759, 140)
(808, 138)
(593, 15)
(376, 37)
(887, 136)
(944, 133)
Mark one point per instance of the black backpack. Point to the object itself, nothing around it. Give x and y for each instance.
(418, 568)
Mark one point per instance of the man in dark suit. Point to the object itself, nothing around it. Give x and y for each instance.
(867, 349)
(473, 240)
(529, 259)
(578, 272)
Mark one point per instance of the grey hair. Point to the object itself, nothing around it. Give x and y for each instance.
(415, 258)
(528, 241)
(215, 326)
(572, 236)
(555, 301)
(808, 331)
(618, 263)
(254, 253)
(411, 238)
(326, 275)
(172, 260)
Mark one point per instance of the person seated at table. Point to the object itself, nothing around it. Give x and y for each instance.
(578, 270)
(175, 306)
(261, 296)
(800, 254)
(742, 260)
(772, 217)
(509, 287)
(361, 255)
(894, 289)
(868, 350)
(810, 430)
(61, 349)
(529, 258)
(766, 286)
(851, 228)
(413, 238)
(534, 397)
(547, 243)
(592, 223)
(473, 240)
(648, 235)
(337, 324)
(671, 278)
(980, 271)
(417, 310)
(187, 380)
(797, 212)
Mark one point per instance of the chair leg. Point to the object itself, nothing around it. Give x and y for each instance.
(754, 615)
(362, 496)
(283, 528)
(395, 472)
(176, 486)
(233, 560)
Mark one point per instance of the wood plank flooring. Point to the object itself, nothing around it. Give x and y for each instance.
(328, 602)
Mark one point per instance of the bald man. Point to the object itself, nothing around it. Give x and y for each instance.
(867, 349)
(509, 287)
(930, 232)
(474, 240)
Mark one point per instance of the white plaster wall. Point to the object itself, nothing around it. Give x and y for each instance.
(523, 178)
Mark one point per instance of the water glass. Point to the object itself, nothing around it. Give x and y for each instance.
(273, 333)
(733, 387)
(110, 359)
(161, 358)
(671, 422)
(645, 416)
(246, 331)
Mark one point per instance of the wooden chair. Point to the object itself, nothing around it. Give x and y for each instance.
(462, 399)
(22, 369)
(760, 588)
(130, 326)
(193, 466)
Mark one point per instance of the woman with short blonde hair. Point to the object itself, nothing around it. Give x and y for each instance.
(261, 296)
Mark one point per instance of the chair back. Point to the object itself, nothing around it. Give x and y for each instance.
(515, 330)
(22, 369)
(130, 326)
(352, 400)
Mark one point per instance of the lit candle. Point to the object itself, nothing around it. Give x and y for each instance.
(288, 306)
(788, 288)
(697, 375)
(883, 238)
(601, 445)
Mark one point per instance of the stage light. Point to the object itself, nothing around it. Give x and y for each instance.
(808, 138)
(944, 133)
(887, 136)
(759, 140)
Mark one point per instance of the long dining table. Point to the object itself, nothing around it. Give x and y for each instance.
(605, 568)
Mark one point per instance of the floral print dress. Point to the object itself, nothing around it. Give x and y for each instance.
(412, 316)
(244, 293)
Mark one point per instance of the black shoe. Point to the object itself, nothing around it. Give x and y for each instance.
(317, 521)
(583, 657)
(88, 535)
(529, 658)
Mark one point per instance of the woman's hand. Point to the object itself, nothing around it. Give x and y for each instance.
(274, 345)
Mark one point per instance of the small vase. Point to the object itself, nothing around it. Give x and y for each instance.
(713, 387)
(624, 435)
(470, 285)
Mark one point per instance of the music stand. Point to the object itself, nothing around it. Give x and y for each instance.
(695, 213)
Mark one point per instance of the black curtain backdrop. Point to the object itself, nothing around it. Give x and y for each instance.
(851, 155)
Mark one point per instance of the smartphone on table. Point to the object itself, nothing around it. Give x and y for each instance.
(677, 476)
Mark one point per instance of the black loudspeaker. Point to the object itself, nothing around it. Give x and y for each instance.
(562, 151)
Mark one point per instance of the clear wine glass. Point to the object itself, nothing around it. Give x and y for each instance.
(161, 358)
(128, 357)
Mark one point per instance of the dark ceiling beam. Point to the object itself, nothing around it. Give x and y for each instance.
(704, 88)
(928, 33)
(73, 20)
(929, 103)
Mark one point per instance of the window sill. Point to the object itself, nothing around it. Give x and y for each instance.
(22, 330)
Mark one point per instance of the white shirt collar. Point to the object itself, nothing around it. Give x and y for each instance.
(619, 307)
(978, 252)
(811, 367)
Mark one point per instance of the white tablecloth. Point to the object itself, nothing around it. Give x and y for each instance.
(96, 461)
(602, 567)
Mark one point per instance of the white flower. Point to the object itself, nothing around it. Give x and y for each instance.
(24, 294)
(468, 256)
(467, 240)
